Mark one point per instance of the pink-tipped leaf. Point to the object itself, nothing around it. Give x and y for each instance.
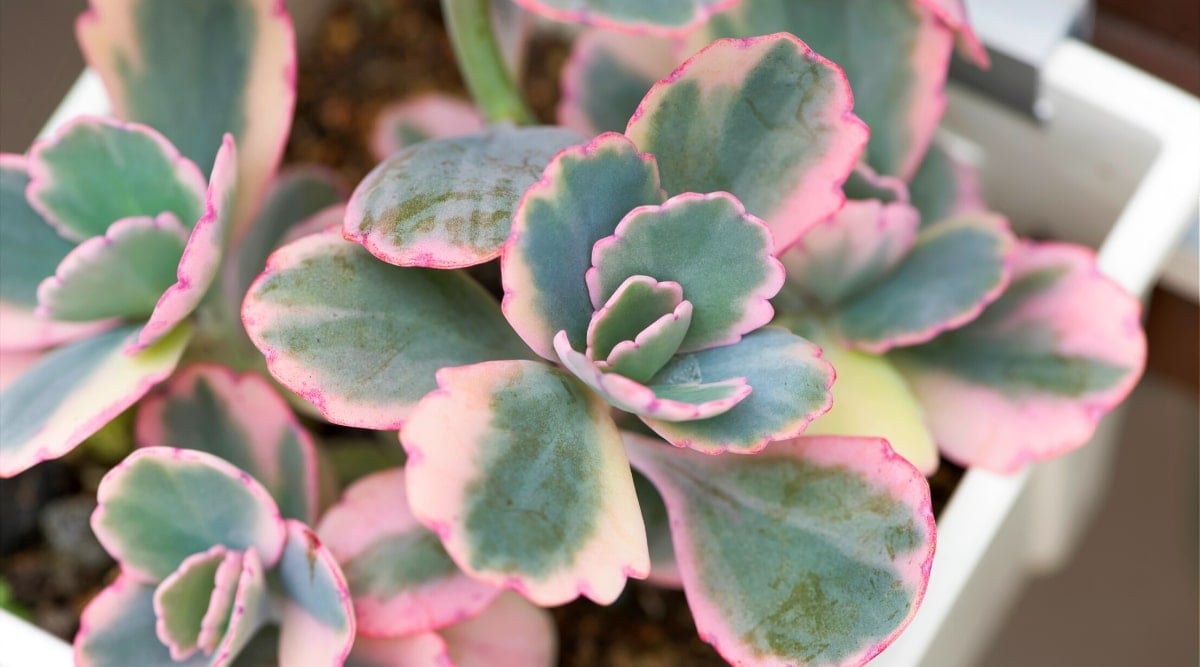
(120, 274)
(1031, 377)
(95, 171)
(789, 382)
(954, 270)
(766, 119)
(521, 472)
(400, 577)
(199, 501)
(448, 203)
(317, 624)
(851, 251)
(361, 339)
(719, 254)
(204, 251)
(185, 598)
(684, 400)
(71, 393)
(815, 552)
(895, 53)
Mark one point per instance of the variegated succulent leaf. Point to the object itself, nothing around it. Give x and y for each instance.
(317, 621)
(666, 18)
(200, 501)
(1033, 374)
(196, 71)
(633, 286)
(816, 551)
(448, 203)
(895, 54)
(583, 195)
(401, 580)
(243, 420)
(204, 253)
(120, 274)
(521, 472)
(871, 281)
(766, 119)
(361, 339)
(95, 171)
(70, 393)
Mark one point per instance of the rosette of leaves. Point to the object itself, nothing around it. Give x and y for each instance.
(205, 567)
(954, 336)
(638, 268)
(113, 239)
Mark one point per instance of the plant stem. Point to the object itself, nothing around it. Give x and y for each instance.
(470, 26)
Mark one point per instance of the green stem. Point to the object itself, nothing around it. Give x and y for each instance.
(470, 26)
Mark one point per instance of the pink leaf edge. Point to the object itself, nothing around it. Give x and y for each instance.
(1104, 323)
(252, 403)
(42, 179)
(111, 485)
(873, 458)
(353, 525)
(703, 11)
(820, 194)
(201, 256)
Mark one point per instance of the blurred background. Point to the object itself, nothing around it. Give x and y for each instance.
(1130, 594)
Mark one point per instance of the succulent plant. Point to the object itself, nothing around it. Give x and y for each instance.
(685, 266)
(647, 277)
(204, 567)
(115, 243)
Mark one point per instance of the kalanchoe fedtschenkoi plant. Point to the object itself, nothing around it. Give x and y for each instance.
(684, 268)
(204, 567)
(113, 239)
(643, 266)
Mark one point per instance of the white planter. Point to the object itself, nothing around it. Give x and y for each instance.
(1120, 162)
(1117, 166)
